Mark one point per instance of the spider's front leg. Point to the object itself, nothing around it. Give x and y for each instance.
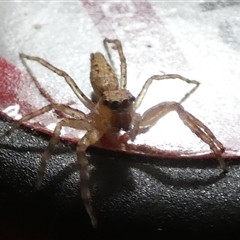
(90, 138)
(149, 118)
(83, 98)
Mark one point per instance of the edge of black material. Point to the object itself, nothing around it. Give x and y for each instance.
(133, 195)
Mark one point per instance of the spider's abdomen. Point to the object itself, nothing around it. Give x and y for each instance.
(102, 76)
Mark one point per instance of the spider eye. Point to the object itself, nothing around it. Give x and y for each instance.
(132, 99)
(114, 105)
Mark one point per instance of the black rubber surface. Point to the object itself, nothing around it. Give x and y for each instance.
(133, 195)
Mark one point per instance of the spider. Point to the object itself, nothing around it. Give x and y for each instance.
(114, 110)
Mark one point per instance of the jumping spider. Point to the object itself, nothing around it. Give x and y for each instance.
(114, 110)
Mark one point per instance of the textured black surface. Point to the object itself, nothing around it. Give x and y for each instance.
(132, 195)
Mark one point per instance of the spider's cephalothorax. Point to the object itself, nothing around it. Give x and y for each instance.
(114, 110)
(120, 102)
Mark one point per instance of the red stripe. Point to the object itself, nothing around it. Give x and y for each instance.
(9, 79)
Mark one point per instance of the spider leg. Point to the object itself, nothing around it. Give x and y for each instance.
(80, 124)
(83, 98)
(149, 81)
(29, 71)
(59, 107)
(155, 113)
(118, 47)
(39, 87)
(90, 138)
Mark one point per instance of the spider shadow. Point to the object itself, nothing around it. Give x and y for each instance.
(112, 173)
(60, 189)
(114, 170)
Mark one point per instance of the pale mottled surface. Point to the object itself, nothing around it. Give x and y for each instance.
(197, 40)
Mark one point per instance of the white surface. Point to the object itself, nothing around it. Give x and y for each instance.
(185, 38)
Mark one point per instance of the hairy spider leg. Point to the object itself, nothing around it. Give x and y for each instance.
(33, 78)
(43, 92)
(149, 81)
(155, 113)
(60, 107)
(82, 97)
(80, 124)
(118, 47)
(91, 137)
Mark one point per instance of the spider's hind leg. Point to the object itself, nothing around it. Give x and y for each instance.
(118, 47)
(82, 97)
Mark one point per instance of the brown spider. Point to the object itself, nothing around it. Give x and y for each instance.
(114, 110)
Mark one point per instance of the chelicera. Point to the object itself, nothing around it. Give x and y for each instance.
(113, 109)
